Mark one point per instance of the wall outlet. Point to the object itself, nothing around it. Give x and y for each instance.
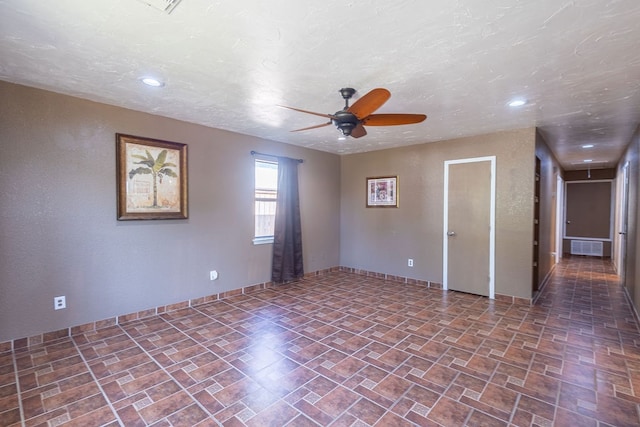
(213, 275)
(59, 302)
(410, 262)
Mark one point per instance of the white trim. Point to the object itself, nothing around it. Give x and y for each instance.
(266, 158)
(492, 221)
(560, 218)
(261, 158)
(597, 239)
(264, 240)
(622, 206)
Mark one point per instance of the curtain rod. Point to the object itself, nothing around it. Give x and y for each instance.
(253, 153)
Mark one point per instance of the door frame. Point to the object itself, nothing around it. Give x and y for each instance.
(560, 217)
(623, 226)
(492, 221)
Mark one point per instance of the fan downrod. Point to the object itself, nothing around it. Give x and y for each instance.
(347, 93)
(344, 120)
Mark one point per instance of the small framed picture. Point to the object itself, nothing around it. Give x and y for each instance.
(382, 192)
(152, 178)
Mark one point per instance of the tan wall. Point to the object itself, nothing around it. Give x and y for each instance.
(58, 229)
(631, 273)
(381, 240)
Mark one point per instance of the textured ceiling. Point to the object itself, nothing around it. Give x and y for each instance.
(228, 64)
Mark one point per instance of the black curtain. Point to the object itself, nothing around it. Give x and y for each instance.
(287, 234)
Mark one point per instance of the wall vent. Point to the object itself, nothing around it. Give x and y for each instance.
(586, 247)
(162, 5)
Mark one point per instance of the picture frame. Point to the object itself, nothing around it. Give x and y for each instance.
(152, 178)
(382, 192)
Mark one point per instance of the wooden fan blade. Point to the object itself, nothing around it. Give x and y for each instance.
(393, 119)
(369, 103)
(358, 131)
(330, 116)
(312, 127)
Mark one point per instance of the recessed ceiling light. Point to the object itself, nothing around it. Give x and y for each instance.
(588, 160)
(150, 81)
(587, 146)
(517, 103)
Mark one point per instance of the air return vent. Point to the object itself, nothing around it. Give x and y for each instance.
(162, 5)
(586, 247)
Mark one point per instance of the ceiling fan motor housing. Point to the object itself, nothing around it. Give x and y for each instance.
(345, 121)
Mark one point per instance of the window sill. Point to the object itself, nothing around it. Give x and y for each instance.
(263, 240)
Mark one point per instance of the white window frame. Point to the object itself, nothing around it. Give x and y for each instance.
(261, 240)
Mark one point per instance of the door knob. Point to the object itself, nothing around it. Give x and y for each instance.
(451, 233)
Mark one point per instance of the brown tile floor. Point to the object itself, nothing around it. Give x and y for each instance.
(346, 350)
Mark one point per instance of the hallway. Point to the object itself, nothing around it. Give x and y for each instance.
(347, 350)
(591, 327)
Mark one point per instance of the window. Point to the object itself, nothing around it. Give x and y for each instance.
(266, 191)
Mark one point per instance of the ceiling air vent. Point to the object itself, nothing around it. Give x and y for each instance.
(162, 5)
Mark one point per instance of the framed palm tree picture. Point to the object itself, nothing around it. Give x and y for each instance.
(152, 178)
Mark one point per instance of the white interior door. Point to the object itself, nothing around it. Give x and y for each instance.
(469, 225)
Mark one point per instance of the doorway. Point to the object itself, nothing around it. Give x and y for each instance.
(589, 224)
(623, 223)
(535, 277)
(559, 215)
(469, 225)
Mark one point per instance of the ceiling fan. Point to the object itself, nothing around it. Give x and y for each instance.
(351, 119)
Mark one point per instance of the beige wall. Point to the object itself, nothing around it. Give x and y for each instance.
(58, 229)
(381, 240)
(631, 273)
